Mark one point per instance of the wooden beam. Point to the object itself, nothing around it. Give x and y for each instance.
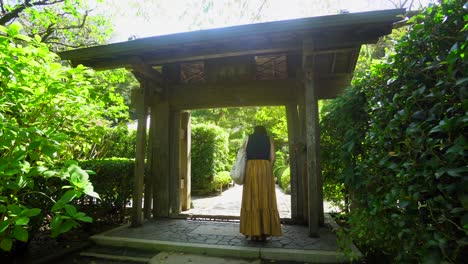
(141, 108)
(247, 93)
(291, 48)
(353, 21)
(337, 50)
(146, 71)
(312, 139)
(169, 57)
(232, 94)
(257, 46)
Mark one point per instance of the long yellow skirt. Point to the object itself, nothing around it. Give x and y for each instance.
(259, 212)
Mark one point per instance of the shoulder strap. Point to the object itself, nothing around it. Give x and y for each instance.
(246, 141)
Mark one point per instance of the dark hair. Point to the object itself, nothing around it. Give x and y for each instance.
(260, 130)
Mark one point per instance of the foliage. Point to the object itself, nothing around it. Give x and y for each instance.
(240, 121)
(113, 180)
(221, 180)
(60, 23)
(111, 95)
(409, 185)
(280, 165)
(118, 141)
(45, 109)
(285, 182)
(274, 120)
(343, 126)
(209, 154)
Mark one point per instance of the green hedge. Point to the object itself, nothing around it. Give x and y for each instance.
(113, 182)
(409, 187)
(209, 154)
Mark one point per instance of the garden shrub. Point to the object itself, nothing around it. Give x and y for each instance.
(209, 154)
(235, 144)
(280, 165)
(113, 180)
(343, 126)
(221, 181)
(285, 183)
(410, 186)
(120, 142)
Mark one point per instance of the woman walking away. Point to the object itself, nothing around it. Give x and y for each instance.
(259, 216)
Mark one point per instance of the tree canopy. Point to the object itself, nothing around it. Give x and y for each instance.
(63, 24)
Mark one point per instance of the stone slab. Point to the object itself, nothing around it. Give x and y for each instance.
(221, 230)
(182, 258)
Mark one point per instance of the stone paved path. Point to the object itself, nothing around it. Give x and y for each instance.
(229, 203)
(227, 234)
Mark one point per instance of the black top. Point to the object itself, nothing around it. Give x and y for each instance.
(258, 147)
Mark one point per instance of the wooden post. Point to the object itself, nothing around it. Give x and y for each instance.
(312, 136)
(303, 159)
(142, 109)
(148, 195)
(319, 178)
(174, 182)
(184, 160)
(296, 187)
(154, 171)
(161, 158)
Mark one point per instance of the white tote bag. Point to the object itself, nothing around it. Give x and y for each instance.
(238, 169)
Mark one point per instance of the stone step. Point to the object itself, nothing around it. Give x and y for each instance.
(129, 255)
(183, 258)
(278, 255)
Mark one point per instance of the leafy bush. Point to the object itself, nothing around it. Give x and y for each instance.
(285, 183)
(280, 165)
(235, 143)
(221, 181)
(343, 126)
(113, 180)
(209, 154)
(120, 142)
(46, 111)
(409, 189)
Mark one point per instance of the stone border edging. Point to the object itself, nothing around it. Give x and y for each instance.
(311, 256)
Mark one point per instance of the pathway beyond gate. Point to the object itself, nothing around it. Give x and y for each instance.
(229, 203)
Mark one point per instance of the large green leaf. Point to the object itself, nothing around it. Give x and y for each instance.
(20, 234)
(6, 244)
(30, 212)
(22, 221)
(4, 225)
